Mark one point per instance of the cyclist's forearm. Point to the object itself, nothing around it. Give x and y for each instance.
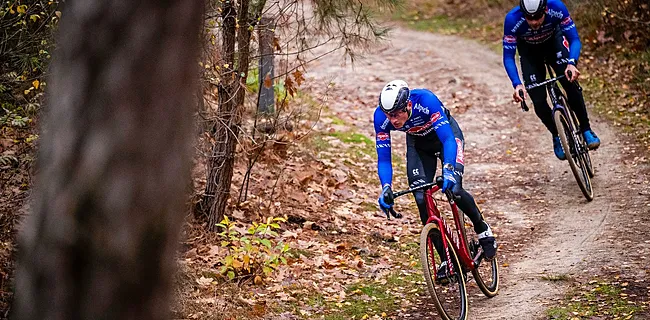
(511, 68)
(574, 50)
(450, 150)
(449, 147)
(384, 164)
(385, 172)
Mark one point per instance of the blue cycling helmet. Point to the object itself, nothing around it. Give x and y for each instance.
(394, 96)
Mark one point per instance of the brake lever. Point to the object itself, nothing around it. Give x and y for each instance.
(575, 82)
(391, 212)
(450, 195)
(523, 101)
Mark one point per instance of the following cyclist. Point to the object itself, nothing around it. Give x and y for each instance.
(430, 130)
(544, 33)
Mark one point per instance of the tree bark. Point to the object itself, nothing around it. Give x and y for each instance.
(232, 92)
(114, 163)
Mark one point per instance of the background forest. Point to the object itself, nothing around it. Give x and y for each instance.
(263, 179)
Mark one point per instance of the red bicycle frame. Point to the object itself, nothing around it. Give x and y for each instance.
(457, 241)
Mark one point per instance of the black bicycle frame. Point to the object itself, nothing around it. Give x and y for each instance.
(554, 94)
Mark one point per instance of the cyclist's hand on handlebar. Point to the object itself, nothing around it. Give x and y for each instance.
(516, 96)
(386, 199)
(574, 72)
(449, 179)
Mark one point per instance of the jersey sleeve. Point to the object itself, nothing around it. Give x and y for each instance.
(570, 31)
(382, 138)
(509, 49)
(442, 128)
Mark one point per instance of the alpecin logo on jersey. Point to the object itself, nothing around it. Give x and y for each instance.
(383, 136)
(554, 13)
(421, 129)
(510, 39)
(421, 108)
(460, 155)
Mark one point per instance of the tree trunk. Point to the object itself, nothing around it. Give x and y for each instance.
(114, 163)
(231, 100)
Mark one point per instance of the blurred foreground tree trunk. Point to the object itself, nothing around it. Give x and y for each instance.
(113, 163)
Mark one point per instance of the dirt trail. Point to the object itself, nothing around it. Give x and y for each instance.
(545, 227)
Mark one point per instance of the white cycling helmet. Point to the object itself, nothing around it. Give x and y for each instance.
(533, 8)
(394, 96)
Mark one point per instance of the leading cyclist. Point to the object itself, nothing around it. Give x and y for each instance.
(544, 33)
(430, 130)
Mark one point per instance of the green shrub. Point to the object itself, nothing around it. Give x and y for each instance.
(252, 252)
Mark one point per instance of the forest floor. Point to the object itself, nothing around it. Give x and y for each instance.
(560, 256)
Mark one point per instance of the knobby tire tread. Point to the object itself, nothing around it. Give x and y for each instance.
(561, 124)
(428, 277)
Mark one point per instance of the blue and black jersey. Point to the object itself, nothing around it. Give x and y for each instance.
(516, 31)
(428, 118)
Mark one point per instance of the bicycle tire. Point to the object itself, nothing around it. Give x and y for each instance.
(568, 144)
(489, 289)
(585, 157)
(430, 231)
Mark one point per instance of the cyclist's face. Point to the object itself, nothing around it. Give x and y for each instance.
(398, 118)
(535, 22)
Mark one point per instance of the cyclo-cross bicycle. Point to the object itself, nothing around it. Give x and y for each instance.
(568, 128)
(458, 249)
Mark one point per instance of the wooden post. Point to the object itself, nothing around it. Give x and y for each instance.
(266, 32)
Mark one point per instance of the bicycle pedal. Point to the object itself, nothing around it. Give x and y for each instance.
(443, 281)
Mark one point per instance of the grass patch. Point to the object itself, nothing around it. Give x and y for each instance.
(337, 121)
(597, 300)
(358, 139)
(317, 143)
(365, 298)
(356, 144)
(438, 24)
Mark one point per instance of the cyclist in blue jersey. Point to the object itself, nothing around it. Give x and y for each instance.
(544, 33)
(431, 133)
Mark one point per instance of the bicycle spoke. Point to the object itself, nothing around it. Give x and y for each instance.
(570, 142)
(447, 291)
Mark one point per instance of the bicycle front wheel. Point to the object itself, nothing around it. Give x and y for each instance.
(584, 152)
(449, 294)
(572, 152)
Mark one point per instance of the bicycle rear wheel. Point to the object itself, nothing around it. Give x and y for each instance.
(451, 298)
(572, 152)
